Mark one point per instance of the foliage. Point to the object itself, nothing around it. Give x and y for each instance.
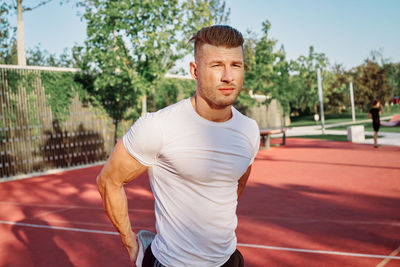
(370, 83)
(4, 33)
(59, 89)
(8, 44)
(16, 80)
(41, 57)
(304, 81)
(266, 70)
(369, 128)
(337, 92)
(329, 137)
(133, 43)
(201, 14)
(393, 77)
(170, 90)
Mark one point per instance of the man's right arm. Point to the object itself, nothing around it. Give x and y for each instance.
(119, 169)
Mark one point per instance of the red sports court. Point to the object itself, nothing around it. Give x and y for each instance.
(309, 203)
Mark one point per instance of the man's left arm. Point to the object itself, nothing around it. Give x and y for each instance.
(242, 181)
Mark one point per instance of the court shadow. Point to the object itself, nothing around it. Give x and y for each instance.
(41, 245)
(311, 217)
(315, 162)
(70, 199)
(295, 142)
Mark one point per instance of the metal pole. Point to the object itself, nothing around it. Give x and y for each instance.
(321, 102)
(353, 113)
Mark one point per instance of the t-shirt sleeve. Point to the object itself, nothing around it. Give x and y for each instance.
(143, 141)
(255, 142)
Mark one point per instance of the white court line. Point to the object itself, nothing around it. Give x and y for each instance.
(294, 219)
(65, 206)
(48, 205)
(239, 244)
(339, 253)
(81, 223)
(387, 259)
(59, 228)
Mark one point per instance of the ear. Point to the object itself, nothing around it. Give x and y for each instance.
(193, 70)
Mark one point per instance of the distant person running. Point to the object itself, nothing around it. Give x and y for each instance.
(376, 122)
(199, 153)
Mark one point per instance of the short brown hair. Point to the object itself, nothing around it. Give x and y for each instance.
(217, 35)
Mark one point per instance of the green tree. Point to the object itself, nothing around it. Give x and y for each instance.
(7, 42)
(304, 81)
(41, 57)
(370, 83)
(20, 27)
(338, 92)
(266, 69)
(133, 43)
(393, 76)
(20, 7)
(170, 90)
(9, 54)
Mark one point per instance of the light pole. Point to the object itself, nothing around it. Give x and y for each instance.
(321, 102)
(353, 113)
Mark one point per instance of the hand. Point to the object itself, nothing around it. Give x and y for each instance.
(132, 246)
(133, 252)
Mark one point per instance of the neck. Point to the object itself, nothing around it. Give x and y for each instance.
(208, 112)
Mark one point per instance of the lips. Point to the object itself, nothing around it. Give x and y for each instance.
(226, 90)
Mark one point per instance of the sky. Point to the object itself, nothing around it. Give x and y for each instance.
(346, 31)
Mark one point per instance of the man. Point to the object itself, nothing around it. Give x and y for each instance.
(376, 121)
(199, 154)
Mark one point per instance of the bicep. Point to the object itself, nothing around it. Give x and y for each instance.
(121, 167)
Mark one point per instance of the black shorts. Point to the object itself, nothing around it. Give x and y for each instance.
(376, 125)
(236, 259)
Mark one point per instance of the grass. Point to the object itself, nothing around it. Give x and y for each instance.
(328, 137)
(339, 118)
(368, 128)
(329, 119)
(344, 118)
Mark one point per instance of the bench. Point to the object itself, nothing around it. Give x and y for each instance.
(265, 135)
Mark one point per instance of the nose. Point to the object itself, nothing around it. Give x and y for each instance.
(227, 75)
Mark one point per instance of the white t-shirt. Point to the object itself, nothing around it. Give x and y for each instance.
(194, 169)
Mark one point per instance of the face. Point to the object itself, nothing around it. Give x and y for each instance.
(219, 74)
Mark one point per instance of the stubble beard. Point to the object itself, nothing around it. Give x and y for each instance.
(214, 101)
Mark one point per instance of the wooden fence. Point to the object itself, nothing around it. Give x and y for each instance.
(34, 139)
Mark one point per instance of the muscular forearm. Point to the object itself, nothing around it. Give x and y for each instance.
(120, 168)
(116, 206)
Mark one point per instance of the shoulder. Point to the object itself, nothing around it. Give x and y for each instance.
(245, 121)
(156, 122)
(165, 113)
(145, 138)
(247, 126)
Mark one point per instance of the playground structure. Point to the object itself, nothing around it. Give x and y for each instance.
(395, 121)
